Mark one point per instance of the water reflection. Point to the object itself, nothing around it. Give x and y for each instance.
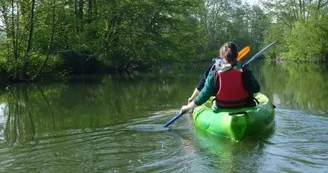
(3, 120)
(114, 124)
(296, 86)
(33, 111)
(229, 156)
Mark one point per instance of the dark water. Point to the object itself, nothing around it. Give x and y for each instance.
(114, 124)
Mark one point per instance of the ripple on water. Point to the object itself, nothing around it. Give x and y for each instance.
(300, 141)
(298, 144)
(119, 148)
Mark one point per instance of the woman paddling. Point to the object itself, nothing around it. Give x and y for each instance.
(232, 86)
(216, 66)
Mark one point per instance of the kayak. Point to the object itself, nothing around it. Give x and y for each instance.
(235, 124)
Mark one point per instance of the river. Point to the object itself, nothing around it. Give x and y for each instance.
(114, 124)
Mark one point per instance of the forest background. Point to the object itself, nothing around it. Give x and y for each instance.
(54, 39)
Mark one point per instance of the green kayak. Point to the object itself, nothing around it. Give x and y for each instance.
(235, 123)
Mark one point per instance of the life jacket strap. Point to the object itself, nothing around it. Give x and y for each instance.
(225, 103)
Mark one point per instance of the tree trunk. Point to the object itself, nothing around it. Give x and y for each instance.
(95, 8)
(29, 41)
(300, 6)
(304, 10)
(90, 6)
(80, 14)
(14, 40)
(318, 5)
(75, 16)
(295, 10)
(50, 43)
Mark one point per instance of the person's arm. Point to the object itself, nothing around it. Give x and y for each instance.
(194, 95)
(207, 91)
(202, 81)
(249, 82)
(200, 85)
(203, 96)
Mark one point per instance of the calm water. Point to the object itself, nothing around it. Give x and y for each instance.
(114, 124)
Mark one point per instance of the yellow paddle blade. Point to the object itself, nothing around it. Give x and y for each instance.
(243, 52)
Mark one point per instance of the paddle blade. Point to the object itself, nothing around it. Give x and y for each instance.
(173, 119)
(243, 52)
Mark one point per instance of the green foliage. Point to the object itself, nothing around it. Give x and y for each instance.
(300, 27)
(123, 34)
(308, 41)
(220, 21)
(258, 22)
(130, 31)
(232, 20)
(116, 33)
(51, 68)
(276, 32)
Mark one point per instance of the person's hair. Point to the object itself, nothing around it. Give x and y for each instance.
(229, 52)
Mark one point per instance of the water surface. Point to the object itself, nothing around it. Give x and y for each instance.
(114, 124)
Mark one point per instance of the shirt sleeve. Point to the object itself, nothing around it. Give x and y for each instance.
(202, 81)
(249, 82)
(206, 92)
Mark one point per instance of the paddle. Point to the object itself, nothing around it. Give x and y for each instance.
(241, 54)
(258, 54)
(173, 119)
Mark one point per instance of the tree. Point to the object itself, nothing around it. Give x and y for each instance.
(118, 34)
(302, 28)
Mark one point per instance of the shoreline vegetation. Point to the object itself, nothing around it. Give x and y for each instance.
(55, 39)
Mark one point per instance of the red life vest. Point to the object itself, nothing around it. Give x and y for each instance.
(231, 92)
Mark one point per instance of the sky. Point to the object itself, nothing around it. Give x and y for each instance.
(251, 2)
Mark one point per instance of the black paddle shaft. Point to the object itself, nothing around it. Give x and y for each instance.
(258, 54)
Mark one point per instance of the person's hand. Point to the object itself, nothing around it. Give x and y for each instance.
(184, 108)
(190, 100)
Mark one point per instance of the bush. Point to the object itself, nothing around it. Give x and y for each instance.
(308, 40)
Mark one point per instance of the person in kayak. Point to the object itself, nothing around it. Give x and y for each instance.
(232, 86)
(216, 66)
